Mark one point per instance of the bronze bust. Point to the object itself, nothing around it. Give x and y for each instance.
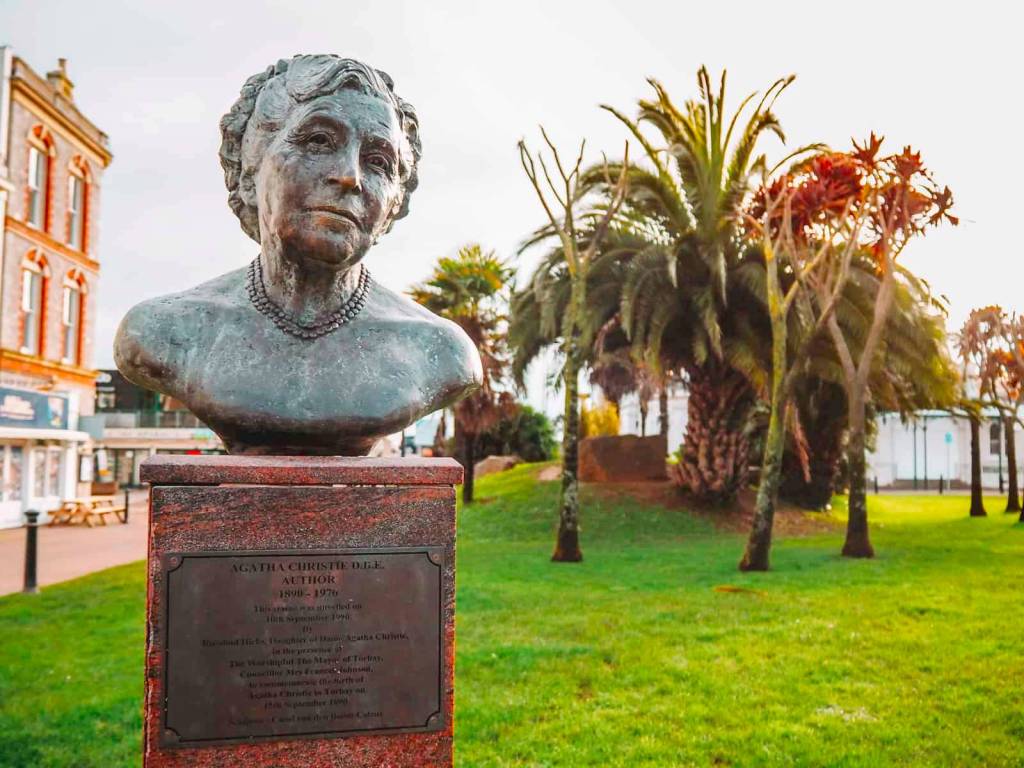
(302, 352)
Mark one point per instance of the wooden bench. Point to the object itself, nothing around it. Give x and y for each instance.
(65, 513)
(102, 509)
(85, 510)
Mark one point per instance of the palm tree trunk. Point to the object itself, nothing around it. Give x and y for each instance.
(858, 542)
(663, 410)
(464, 455)
(716, 448)
(567, 545)
(643, 418)
(977, 503)
(824, 425)
(1013, 497)
(469, 461)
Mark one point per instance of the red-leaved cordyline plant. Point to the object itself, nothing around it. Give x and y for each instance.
(993, 342)
(811, 221)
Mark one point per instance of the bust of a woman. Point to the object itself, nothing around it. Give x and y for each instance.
(302, 352)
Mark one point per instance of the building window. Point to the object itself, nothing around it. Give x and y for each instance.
(71, 318)
(38, 472)
(12, 475)
(46, 471)
(76, 211)
(994, 443)
(38, 175)
(31, 311)
(54, 464)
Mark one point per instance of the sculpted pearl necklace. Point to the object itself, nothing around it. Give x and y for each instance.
(345, 313)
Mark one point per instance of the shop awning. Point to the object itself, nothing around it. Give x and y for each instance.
(29, 433)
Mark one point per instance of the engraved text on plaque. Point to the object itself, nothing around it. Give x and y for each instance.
(270, 645)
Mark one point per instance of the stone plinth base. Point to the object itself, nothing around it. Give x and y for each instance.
(622, 458)
(300, 612)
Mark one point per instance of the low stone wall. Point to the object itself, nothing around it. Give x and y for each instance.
(493, 464)
(622, 458)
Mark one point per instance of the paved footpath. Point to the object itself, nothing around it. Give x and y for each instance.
(69, 551)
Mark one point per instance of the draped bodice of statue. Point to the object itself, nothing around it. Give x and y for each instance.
(264, 391)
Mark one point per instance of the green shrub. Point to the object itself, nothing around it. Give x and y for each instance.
(526, 433)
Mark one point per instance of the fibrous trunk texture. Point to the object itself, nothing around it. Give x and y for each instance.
(977, 504)
(858, 543)
(469, 460)
(464, 454)
(823, 418)
(715, 453)
(1013, 496)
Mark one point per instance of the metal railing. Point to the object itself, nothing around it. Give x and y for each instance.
(150, 420)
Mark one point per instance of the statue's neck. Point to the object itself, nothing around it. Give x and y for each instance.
(308, 295)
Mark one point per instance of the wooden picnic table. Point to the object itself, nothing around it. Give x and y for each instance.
(86, 508)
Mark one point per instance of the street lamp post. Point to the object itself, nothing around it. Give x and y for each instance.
(915, 455)
(31, 550)
(924, 429)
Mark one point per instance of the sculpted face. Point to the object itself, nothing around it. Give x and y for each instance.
(329, 182)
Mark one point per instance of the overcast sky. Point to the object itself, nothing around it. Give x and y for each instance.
(157, 76)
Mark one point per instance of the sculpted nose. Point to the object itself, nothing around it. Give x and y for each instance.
(346, 176)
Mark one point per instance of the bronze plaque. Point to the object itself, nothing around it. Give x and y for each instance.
(274, 645)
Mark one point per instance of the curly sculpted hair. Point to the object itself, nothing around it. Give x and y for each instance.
(263, 106)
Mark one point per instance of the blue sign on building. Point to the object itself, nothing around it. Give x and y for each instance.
(21, 408)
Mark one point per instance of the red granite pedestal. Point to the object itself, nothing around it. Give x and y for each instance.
(227, 535)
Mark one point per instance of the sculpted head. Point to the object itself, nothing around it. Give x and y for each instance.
(319, 158)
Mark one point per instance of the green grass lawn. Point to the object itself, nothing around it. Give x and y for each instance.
(633, 657)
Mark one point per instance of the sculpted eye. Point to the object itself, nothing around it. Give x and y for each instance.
(379, 161)
(319, 141)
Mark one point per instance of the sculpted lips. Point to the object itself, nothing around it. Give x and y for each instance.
(340, 213)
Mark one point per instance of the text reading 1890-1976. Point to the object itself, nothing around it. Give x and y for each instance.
(269, 645)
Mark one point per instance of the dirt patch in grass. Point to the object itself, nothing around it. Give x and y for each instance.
(789, 520)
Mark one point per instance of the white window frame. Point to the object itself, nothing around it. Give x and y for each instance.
(33, 315)
(76, 209)
(38, 477)
(38, 172)
(7, 454)
(71, 353)
(54, 454)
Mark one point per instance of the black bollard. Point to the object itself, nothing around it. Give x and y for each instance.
(126, 506)
(876, 485)
(31, 546)
(942, 482)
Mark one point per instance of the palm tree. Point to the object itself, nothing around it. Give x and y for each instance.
(671, 273)
(471, 290)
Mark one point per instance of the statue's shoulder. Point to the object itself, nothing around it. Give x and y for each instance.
(156, 335)
(452, 355)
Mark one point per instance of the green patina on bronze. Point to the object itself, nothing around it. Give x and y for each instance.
(304, 354)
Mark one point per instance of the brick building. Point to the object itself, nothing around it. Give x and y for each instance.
(51, 165)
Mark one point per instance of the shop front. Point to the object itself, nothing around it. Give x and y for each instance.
(39, 454)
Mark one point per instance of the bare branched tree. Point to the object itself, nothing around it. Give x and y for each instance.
(559, 193)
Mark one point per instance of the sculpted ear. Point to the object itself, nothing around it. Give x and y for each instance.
(248, 212)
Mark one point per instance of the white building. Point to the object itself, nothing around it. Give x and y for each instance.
(933, 444)
(678, 400)
(911, 453)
